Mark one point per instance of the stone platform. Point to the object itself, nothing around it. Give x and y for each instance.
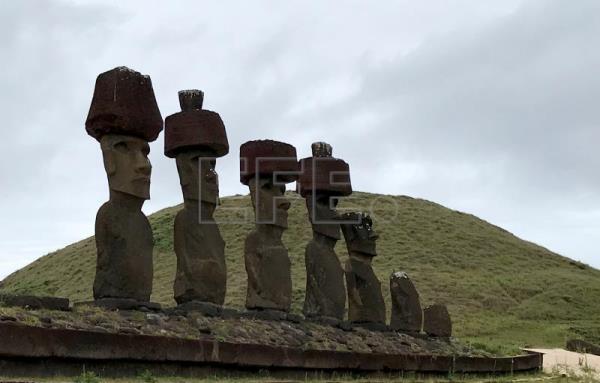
(37, 351)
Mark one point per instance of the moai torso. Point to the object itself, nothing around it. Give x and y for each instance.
(201, 271)
(195, 137)
(325, 293)
(124, 246)
(365, 300)
(268, 268)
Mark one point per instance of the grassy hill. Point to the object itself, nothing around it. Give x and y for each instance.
(502, 292)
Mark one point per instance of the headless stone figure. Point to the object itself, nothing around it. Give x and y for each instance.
(365, 301)
(266, 259)
(196, 137)
(407, 314)
(124, 117)
(325, 291)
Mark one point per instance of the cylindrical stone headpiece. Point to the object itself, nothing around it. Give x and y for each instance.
(124, 103)
(268, 157)
(323, 173)
(194, 127)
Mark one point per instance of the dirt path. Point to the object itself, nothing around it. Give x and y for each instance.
(557, 360)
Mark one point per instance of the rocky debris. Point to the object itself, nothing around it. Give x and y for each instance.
(122, 304)
(34, 302)
(205, 308)
(437, 322)
(407, 313)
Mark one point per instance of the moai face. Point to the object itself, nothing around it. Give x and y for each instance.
(270, 205)
(360, 237)
(127, 164)
(197, 175)
(322, 215)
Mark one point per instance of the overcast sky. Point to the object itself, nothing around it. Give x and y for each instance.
(488, 107)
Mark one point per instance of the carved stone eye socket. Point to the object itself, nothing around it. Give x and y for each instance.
(121, 147)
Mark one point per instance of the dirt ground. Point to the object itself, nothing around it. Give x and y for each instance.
(559, 361)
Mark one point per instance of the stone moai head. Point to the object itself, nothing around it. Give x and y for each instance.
(195, 137)
(359, 234)
(323, 179)
(266, 166)
(127, 165)
(124, 117)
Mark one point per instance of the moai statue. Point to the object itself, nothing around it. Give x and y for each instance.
(266, 166)
(437, 322)
(365, 301)
(124, 117)
(323, 179)
(195, 137)
(407, 314)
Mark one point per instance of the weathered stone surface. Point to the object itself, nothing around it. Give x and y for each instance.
(269, 270)
(205, 308)
(365, 300)
(32, 344)
(122, 304)
(264, 158)
(124, 116)
(265, 257)
(34, 302)
(124, 103)
(124, 244)
(201, 270)
(325, 292)
(196, 139)
(324, 175)
(407, 313)
(195, 127)
(437, 322)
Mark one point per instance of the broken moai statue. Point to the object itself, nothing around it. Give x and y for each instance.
(365, 301)
(407, 314)
(323, 179)
(437, 322)
(195, 137)
(266, 166)
(124, 117)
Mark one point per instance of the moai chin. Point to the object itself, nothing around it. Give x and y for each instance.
(266, 166)
(124, 117)
(323, 179)
(407, 313)
(365, 301)
(195, 137)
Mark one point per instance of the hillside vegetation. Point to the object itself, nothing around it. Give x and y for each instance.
(502, 292)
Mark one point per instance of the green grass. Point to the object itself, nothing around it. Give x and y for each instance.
(502, 292)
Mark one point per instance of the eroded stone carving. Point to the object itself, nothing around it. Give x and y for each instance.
(437, 322)
(266, 166)
(323, 179)
(195, 137)
(124, 117)
(407, 314)
(365, 301)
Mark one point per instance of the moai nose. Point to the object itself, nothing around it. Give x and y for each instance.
(191, 99)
